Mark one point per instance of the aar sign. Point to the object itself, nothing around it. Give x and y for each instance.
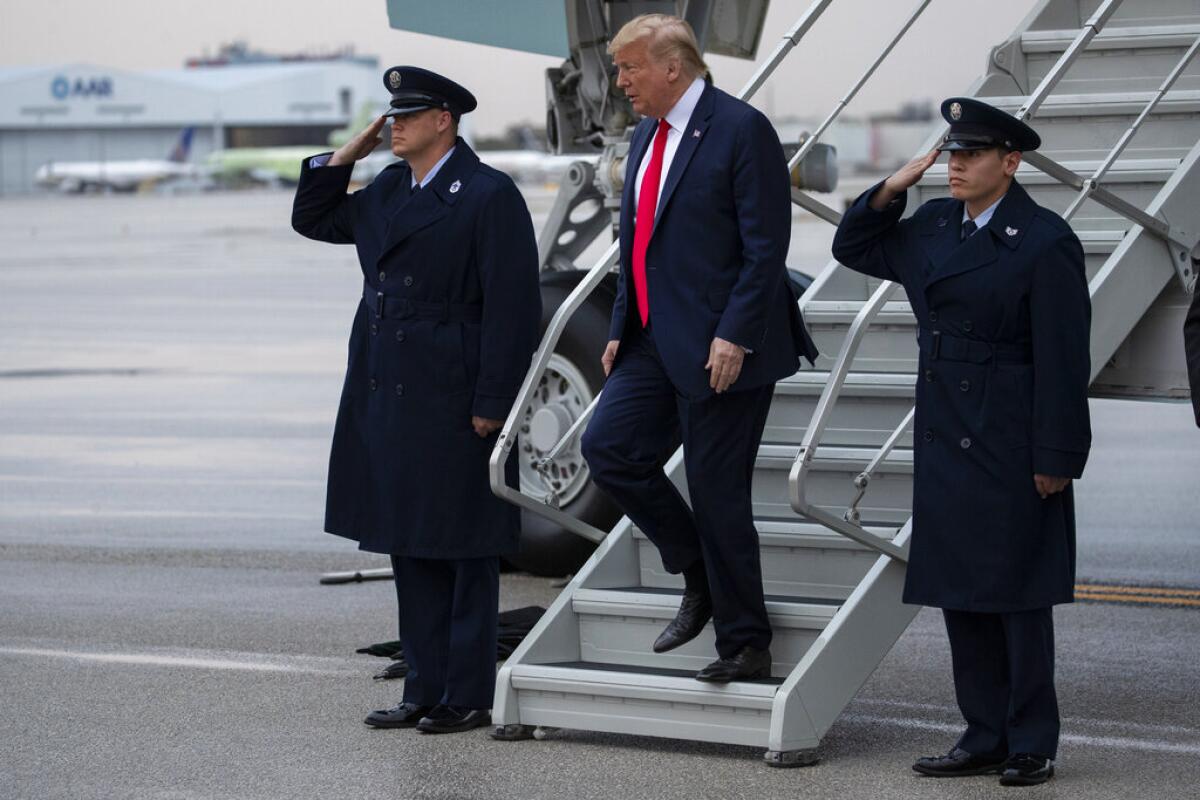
(63, 88)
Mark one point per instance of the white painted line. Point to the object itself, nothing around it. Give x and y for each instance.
(189, 662)
(1114, 742)
(1079, 722)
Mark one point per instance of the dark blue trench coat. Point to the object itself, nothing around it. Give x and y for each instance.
(454, 268)
(1004, 322)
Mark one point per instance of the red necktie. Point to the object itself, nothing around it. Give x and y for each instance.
(644, 226)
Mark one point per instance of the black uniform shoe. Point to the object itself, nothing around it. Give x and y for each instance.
(958, 763)
(405, 715)
(747, 665)
(452, 719)
(694, 613)
(1024, 769)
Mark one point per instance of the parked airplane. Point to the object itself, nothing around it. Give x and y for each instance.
(121, 176)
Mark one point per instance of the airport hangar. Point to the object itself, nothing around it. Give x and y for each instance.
(84, 112)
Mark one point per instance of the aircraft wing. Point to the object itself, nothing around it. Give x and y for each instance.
(532, 26)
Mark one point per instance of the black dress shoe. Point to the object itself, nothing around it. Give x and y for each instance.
(747, 665)
(1024, 769)
(452, 719)
(958, 763)
(694, 613)
(405, 715)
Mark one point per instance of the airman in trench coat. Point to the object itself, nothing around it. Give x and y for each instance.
(440, 343)
(997, 285)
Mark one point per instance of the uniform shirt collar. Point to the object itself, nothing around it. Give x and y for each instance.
(681, 112)
(429, 176)
(984, 216)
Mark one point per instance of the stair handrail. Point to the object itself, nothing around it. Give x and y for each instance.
(863, 479)
(506, 439)
(797, 476)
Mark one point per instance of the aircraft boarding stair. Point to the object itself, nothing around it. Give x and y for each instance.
(833, 482)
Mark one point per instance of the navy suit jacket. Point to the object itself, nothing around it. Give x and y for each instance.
(715, 266)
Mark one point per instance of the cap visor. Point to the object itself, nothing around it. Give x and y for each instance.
(950, 146)
(409, 109)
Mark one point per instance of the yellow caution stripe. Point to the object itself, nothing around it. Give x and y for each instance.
(1143, 595)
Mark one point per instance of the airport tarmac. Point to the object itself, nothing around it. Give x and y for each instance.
(168, 378)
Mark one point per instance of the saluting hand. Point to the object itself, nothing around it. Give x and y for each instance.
(360, 146)
(1048, 485)
(899, 182)
(725, 363)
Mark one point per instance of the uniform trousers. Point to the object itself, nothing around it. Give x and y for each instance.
(448, 611)
(1004, 681)
(638, 419)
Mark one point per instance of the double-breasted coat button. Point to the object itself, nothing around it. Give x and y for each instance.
(374, 329)
(382, 276)
(965, 386)
(968, 326)
(929, 375)
(374, 384)
(400, 390)
(408, 280)
(929, 436)
(399, 336)
(933, 316)
(965, 443)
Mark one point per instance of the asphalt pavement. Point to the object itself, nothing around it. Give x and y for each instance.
(169, 371)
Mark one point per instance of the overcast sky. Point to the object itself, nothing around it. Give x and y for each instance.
(943, 53)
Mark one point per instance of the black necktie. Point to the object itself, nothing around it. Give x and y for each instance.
(968, 228)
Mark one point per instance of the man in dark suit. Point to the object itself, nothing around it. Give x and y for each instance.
(704, 325)
(1191, 346)
(441, 341)
(998, 287)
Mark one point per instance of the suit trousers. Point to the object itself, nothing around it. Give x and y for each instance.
(1004, 681)
(638, 420)
(448, 610)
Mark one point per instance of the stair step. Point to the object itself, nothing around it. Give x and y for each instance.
(869, 409)
(619, 626)
(799, 559)
(888, 501)
(1113, 38)
(1085, 125)
(644, 701)
(1118, 59)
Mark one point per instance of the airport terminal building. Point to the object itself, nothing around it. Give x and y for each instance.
(84, 112)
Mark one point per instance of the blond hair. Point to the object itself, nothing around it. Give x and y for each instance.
(667, 37)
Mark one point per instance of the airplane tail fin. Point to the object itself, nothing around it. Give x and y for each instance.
(183, 148)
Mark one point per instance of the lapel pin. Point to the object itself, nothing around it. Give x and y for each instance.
(696, 133)
(1011, 231)
(454, 187)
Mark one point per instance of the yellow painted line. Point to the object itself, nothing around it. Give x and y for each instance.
(1131, 598)
(1149, 591)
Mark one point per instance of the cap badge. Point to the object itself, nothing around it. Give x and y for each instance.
(956, 111)
(394, 79)
(454, 187)
(1011, 231)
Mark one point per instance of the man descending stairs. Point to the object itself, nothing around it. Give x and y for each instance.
(833, 575)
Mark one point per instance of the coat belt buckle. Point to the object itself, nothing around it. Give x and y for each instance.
(936, 348)
(379, 305)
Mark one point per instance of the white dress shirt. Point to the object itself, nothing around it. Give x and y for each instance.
(433, 171)
(677, 118)
(984, 217)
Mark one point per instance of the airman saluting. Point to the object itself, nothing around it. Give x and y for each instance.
(440, 343)
(997, 285)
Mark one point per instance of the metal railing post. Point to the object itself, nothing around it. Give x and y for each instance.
(1093, 26)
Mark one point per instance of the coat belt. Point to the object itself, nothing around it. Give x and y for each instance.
(393, 307)
(942, 346)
